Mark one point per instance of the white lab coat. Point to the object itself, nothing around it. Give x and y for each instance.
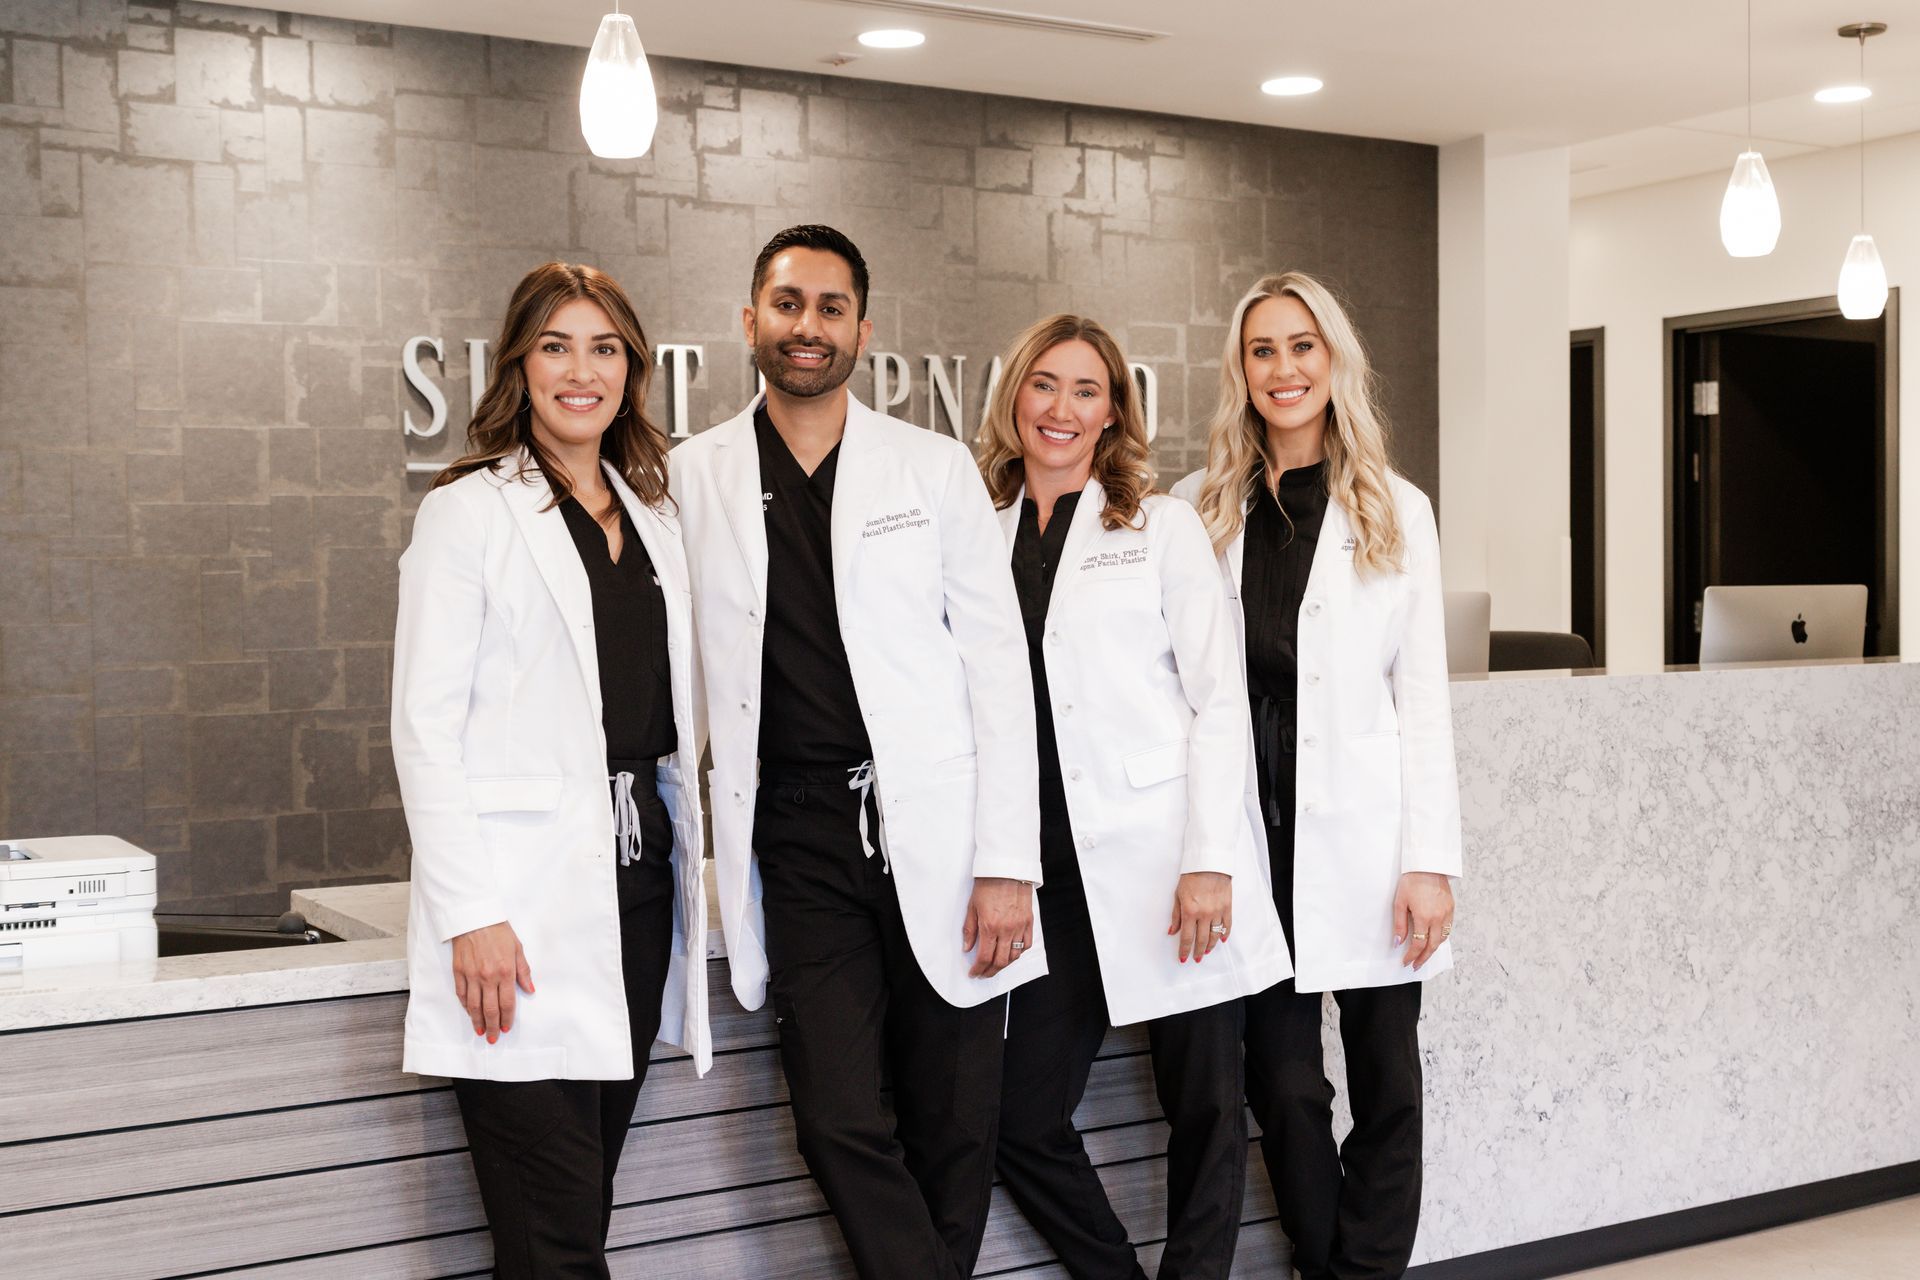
(502, 763)
(1377, 793)
(939, 660)
(1149, 703)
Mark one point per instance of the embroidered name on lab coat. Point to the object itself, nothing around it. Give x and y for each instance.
(894, 523)
(1114, 559)
(1350, 544)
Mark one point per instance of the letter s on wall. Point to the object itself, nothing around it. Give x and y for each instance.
(418, 380)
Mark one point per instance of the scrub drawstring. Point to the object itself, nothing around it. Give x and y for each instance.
(1275, 729)
(626, 819)
(862, 781)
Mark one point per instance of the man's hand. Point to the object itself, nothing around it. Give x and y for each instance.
(487, 964)
(1000, 922)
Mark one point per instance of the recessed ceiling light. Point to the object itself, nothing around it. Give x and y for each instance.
(1291, 86)
(1844, 93)
(892, 38)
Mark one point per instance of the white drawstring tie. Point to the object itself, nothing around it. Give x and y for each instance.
(862, 781)
(626, 818)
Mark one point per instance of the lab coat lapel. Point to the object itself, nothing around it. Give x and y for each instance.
(737, 471)
(1332, 572)
(659, 534)
(860, 470)
(1010, 517)
(1237, 549)
(1086, 527)
(524, 488)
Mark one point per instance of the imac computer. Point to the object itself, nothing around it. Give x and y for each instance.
(1781, 624)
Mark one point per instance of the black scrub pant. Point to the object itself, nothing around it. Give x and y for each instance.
(1055, 1028)
(853, 1007)
(545, 1151)
(1350, 1210)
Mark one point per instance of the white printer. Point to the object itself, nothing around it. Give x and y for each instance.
(75, 900)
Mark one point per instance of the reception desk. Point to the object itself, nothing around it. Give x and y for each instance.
(1685, 975)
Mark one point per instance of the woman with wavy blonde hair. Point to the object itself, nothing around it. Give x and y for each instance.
(1335, 562)
(1147, 827)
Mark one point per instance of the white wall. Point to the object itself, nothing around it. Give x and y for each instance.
(1639, 256)
(1503, 378)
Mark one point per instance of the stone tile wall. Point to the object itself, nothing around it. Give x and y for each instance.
(218, 226)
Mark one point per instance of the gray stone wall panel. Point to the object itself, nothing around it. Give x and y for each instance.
(218, 225)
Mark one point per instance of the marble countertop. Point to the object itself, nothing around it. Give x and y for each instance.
(1630, 669)
(370, 959)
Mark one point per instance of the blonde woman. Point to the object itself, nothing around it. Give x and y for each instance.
(1149, 822)
(1335, 565)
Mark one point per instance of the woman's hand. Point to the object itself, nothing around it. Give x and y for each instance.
(1202, 900)
(487, 964)
(1000, 922)
(1422, 915)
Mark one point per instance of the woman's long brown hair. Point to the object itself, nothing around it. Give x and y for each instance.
(503, 423)
(1122, 460)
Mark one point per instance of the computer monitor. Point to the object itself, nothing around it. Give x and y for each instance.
(1780, 624)
(1469, 615)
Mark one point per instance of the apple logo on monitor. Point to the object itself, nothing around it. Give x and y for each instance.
(1800, 629)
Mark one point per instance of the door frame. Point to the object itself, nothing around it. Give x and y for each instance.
(1674, 333)
(1596, 339)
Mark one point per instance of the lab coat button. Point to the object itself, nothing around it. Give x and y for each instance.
(1053, 637)
(1313, 608)
(1310, 807)
(1086, 842)
(1313, 677)
(1309, 742)
(1073, 775)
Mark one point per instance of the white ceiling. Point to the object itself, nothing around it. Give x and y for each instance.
(1643, 90)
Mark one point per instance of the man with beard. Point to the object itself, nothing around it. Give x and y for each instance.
(875, 807)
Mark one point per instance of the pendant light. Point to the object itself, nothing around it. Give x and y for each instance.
(618, 112)
(1750, 211)
(1863, 280)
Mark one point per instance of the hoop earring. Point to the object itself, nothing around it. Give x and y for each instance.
(526, 399)
(626, 409)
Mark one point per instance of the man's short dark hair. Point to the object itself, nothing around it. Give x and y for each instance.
(814, 235)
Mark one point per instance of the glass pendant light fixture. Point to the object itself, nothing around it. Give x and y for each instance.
(1863, 280)
(618, 112)
(1750, 211)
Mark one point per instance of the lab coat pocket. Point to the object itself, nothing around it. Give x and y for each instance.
(1376, 780)
(530, 794)
(954, 767)
(1157, 764)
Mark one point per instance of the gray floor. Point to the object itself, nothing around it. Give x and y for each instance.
(1879, 1243)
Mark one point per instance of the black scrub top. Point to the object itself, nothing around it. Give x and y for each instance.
(1281, 535)
(1036, 557)
(809, 711)
(630, 638)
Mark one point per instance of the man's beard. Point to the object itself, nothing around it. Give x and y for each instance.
(803, 383)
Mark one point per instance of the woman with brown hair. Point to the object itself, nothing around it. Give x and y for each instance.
(1147, 812)
(544, 736)
(1335, 564)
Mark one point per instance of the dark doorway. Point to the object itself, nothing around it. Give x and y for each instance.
(1782, 466)
(1586, 498)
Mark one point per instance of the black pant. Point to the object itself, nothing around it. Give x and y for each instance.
(1350, 1210)
(911, 1195)
(545, 1151)
(1055, 1029)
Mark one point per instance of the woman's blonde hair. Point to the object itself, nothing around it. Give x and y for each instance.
(1356, 437)
(1122, 459)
